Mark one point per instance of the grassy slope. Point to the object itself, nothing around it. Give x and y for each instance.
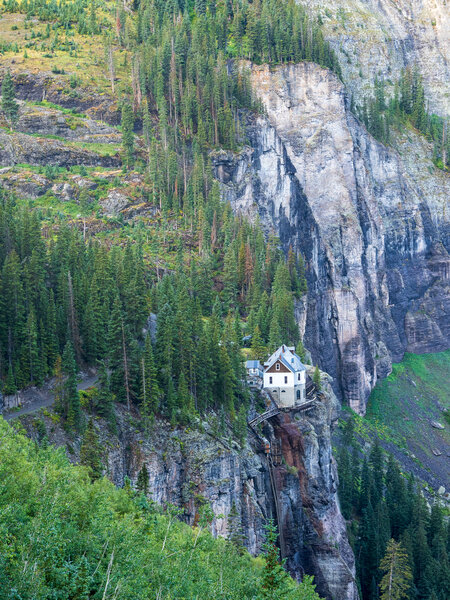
(402, 406)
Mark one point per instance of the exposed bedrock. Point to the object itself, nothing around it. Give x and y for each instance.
(371, 223)
(188, 466)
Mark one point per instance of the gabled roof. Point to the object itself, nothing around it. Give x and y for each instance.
(253, 364)
(287, 356)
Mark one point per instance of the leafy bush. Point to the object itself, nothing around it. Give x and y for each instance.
(62, 536)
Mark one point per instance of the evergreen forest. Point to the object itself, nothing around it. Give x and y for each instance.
(386, 511)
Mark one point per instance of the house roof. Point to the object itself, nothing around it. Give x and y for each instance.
(253, 364)
(288, 357)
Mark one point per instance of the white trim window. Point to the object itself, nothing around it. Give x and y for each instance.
(277, 367)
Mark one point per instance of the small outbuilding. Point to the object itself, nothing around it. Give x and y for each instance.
(254, 373)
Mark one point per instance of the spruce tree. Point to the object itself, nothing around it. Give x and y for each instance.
(397, 576)
(115, 360)
(71, 399)
(274, 580)
(258, 349)
(9, 104)
(143, 480)
(317, 379)
(150, 391)
(91, 452)
(9, 387)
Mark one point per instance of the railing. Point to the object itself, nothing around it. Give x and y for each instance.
(266, 415)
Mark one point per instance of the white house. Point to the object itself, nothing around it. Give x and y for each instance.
(285, 377)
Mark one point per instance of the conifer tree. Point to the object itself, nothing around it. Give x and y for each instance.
(115, 360)
(143, 480)
(258, 349)
(9, 387)
(90, 451)
(397, 576)
(317, 378)
(150, 392)
(9, 104)
(240, 424)
(235, 531)
(71, 401)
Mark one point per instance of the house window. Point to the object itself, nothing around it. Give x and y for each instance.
(270, 379)
(299, 376)
(298, 394)
(278, 367)
(285, 379)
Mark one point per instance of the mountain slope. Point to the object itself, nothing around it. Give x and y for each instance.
(375, 236)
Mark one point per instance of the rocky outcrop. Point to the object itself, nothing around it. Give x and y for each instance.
(375, 235)
(18, 148)
(378, 38)
(314, 533)
(26, 185)
(47, 122)
(39, 86)
(190, 466)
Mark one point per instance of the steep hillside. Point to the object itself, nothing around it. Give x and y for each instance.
(63, 536)
(411, 409)
(206, 465)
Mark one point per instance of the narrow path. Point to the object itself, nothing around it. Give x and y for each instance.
(43, 397)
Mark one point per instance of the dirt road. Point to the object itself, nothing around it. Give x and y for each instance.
(36, 398)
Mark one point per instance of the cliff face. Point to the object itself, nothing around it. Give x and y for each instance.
(187, 467)
(371, 223)
(378, 38)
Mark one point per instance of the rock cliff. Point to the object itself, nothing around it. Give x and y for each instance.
(378, 38)
(189, 466)
(371, 223)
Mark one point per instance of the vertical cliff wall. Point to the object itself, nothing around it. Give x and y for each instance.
(190, 466)
(372, 225)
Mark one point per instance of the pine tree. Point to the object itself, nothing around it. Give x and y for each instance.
(143, 480)
(91, 452)
(71, 399)
(397, 576)
(235, 531)
(274, 580)
(317, 379)
(258, 349)
(9, 104)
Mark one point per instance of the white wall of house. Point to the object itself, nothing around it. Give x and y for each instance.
(278, 379)
(286, 388)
